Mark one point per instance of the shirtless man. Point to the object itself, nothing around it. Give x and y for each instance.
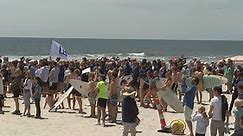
(76, 95)
(176, 78)
(199, 74)
(113, 97)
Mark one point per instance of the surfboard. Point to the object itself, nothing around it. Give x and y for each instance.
(210, 81)
(61, 99)
(80, 86)
(87, 70)
(169, 97)
(128, 78)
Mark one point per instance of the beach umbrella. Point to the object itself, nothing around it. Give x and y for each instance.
(237, 60)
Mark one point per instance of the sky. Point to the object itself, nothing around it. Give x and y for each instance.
(139, 19)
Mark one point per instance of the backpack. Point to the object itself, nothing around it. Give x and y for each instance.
(224, 106)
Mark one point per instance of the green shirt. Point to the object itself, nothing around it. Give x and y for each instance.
(228, 73)
(103, 92)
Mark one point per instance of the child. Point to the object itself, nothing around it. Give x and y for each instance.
(202, 121)
(1, 95)
(92, 94)
(129, 112)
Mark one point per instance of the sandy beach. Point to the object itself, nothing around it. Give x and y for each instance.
(66, 122)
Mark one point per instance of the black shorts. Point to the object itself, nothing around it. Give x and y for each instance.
(1, 98)
(76, 93)
(53, 86)
(199, 134)
(102, 102)
(16, 92)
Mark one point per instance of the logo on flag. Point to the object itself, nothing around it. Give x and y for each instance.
(58, 51)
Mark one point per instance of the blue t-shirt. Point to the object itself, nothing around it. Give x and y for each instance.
(189, 97)
(61, 74)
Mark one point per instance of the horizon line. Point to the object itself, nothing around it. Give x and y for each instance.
(100, 38)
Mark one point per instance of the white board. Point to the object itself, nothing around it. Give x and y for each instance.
(61, 99)
(169, 97)
(128, 78)
(87, 70)
(80, 86)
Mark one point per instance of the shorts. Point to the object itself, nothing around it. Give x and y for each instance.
(188, 113)
(92, 98)
(197, 134)
(53, 86)
(16, 92)
(102, 102)
(113, 100)
(60, 87)
(1, 100)
(76, 93)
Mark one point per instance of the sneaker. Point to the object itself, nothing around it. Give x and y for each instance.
(164, 130)
(38, 117)
(16, 112)
(28, 115)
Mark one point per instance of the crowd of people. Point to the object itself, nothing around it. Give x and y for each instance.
(49, 79)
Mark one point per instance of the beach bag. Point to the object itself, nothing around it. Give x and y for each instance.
(137, 120)
(178, 127)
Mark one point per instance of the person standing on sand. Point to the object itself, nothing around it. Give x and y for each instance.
(202, 121)
(37, 96)
(129, 112)
(102, 90)
(113, 97)
(92, 94)
(53, 82)
(16, 88)
(76, 95)
(218, 111)
(188, 103)
(200, 87)
(235, 94)
(43, 74)
(229, 73)
(27, 93)
(142, 75)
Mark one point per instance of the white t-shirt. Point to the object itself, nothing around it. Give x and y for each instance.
(216, 102)
(202, 123)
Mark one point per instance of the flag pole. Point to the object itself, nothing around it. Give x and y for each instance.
(50, 49)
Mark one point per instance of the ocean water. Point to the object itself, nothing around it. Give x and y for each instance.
(36, 48)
